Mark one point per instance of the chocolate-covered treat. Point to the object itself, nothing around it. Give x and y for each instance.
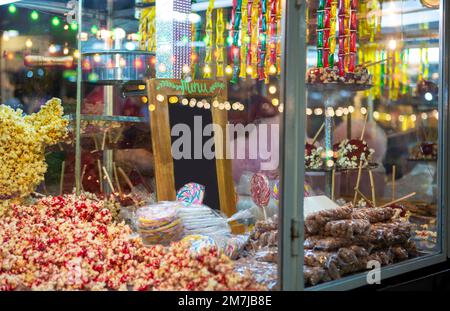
(427, 150)
(373, 215)
(350, 152)
(316, 75)
(348, 228)
(316, 221)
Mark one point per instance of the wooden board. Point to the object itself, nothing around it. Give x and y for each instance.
(161, 136)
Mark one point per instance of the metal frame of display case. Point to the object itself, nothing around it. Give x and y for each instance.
(291, 242)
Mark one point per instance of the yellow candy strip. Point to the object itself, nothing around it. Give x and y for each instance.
(254, 39)
(220, 28)
(244, 43)
(208, 40)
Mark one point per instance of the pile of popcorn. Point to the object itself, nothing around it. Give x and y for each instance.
(22, 147)
(71, 243)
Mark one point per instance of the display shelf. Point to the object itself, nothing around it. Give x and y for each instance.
(337, 87)
(92, 117)
(370, 166)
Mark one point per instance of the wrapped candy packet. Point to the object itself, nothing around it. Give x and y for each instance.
(374, 214)
(325, 243)
(316, 221)
(348, 228)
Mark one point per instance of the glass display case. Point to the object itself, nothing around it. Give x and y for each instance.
(375, 141)
(221, 144)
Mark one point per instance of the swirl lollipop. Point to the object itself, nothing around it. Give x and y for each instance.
(260, 190)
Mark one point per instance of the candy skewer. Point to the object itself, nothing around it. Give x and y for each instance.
(393, 181)
(126, 178)
(317, 134)
(104, 139)
(364, 197)
(61, 179)
(116, 179)
(333, 176)
(109, 179)
(358, 179)
(399, 199)
(83, 172)
(372, 188)
(364, 127)
(100, 175)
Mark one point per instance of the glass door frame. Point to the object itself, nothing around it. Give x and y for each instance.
(292, 237)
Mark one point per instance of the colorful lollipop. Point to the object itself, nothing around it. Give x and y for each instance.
(260, 190)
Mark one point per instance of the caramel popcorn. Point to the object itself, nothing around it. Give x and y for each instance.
(22, 146)
(71, 243)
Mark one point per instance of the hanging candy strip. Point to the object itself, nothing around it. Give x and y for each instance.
(426, 64)
(245, 40)
(262, 45)
(353, 34)
(320, 28)
(220, 29)
(147, 28)
(279, 29)
(326, 33)
(208, 40)
(341, 37)
(254, 39)
(347, 34)
(404, 74)
(396, 74)
(332, 38)
(249, 34)
(237, 6)
(268, 42)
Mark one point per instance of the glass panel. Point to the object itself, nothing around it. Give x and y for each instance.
(371, 136)
(174, 135)
(37, 49)
(184, 68)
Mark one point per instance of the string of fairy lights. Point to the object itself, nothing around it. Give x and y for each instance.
(406, 120)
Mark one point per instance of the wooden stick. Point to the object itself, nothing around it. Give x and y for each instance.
(333, 173)
(104, 139)
(116, 178)
(118, 136)
(95, 141)
(109, 179)
(82, 176)
(377, 62)
(364, 127)
(100, 175)
(61, 179)
(127, 180)
(364, 197)
(394, 173)
(358, 179)
(400, 199)
(39, 195)
(372, 188)
(45, 188)
(317, 134)
(143, 180)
